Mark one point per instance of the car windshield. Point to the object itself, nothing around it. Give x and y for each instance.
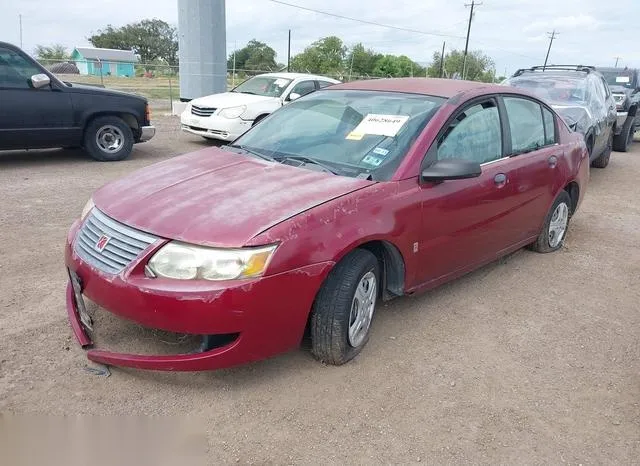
(269, 86)
(618, 78)
(355, 133)
(559, 90)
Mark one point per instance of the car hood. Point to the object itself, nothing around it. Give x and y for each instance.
(230, 99)
(217, 198)
(620, 90)
(85, 89)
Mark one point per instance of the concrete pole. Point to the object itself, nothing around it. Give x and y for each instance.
(202, 48)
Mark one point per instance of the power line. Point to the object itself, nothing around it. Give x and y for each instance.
(326, 13)
(551, 36)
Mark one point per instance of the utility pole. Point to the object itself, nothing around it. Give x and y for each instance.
(552, 35)
(466, 45)
(233, 75)
(442, 60)
(617, 58)
(20, 16)
(289, 52)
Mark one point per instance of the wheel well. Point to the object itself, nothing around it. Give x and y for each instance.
(128, 118)
(574, 192)
(392, 266)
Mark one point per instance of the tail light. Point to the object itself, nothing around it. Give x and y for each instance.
(147, 113)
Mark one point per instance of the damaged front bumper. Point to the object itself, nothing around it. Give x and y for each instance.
(264, 316)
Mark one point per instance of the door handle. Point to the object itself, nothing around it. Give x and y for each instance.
(500, 179)
(553, 161)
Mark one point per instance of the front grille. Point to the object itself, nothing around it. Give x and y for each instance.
(123, 243)
(202, 111)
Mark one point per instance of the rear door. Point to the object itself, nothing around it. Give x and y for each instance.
(31, 118)
(535, 158)
(468, 222)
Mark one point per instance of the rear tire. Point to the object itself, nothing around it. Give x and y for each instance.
(603, 160)
(555, 227)
(622, 142)
(343, 310)
(108, 139)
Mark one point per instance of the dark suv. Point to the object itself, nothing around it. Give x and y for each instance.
(624, 84)
(37, 110)
(582, 97)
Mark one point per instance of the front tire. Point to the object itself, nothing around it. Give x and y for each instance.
(556, 224)
(108, 139)
(343, 310)
(622, 142)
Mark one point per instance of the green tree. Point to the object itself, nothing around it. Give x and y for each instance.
(324, 56)
(479, 66)
(361, 61)
(48, 55)
(397, 67)
(150, 39)
(255, 56)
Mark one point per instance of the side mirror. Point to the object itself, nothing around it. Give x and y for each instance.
(451, 169)
(39, 81)
(294, 96)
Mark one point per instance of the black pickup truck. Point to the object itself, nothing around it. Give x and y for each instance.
(37, 111)
(625, 87)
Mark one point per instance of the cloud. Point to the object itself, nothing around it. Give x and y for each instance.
(564, 23)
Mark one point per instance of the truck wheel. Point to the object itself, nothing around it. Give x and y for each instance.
(108, 139)
(622, 142)
(343, 310)
(603, 160)
(555, 227)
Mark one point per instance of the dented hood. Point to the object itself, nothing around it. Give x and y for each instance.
(214, 197)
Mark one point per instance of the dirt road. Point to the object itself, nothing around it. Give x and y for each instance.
(533, 359)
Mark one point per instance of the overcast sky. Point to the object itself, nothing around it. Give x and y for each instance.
(512, 32)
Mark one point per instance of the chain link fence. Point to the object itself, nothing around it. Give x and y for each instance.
(159, 83)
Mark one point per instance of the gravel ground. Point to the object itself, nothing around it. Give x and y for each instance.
(530, 360)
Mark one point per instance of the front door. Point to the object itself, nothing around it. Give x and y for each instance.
(467, 222)
(31, 118)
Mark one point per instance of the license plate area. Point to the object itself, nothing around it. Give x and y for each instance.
(84, 316)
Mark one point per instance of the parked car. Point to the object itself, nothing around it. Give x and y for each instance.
(40, 111)
(624, 84)
(581, 95)
(227, 115)
(353, 194)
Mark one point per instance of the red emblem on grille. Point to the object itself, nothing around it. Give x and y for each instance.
(102, 242)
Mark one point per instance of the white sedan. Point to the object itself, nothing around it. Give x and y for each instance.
(227, 115)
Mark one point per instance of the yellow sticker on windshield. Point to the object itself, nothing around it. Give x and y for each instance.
(353, 136)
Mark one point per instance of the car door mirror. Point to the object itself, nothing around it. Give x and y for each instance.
(39, 81)
(451, 169)
(294, 96)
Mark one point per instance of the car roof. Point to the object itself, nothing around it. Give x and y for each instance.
(298, 75)
(553, 74)
(446, 88)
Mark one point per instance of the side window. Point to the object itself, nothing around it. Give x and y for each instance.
(304, 87)
(525, 122)
(15, 70)
(549, 127)
(607, 91)
(474, 135)
(322, 84)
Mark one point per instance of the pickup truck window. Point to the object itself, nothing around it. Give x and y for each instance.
(15, 70)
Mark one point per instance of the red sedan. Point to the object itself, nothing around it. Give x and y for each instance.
(356, 193)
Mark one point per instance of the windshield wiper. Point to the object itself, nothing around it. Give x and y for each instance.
(252, 152)
(305, 160)
(248, 92)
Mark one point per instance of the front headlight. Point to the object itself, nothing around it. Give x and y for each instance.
(88, 207)
(182, 261)
(232, 112)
